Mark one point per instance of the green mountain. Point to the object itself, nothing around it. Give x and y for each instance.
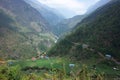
(23, 31)
(94, 37)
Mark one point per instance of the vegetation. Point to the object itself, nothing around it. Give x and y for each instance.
(92, 39)
(53, 69)
(100, 31)
(81, 55)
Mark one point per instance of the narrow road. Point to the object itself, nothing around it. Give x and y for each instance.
(93, 50)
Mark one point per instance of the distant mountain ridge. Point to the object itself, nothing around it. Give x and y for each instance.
(50, 15)
(67, 25)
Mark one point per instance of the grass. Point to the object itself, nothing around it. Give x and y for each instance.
(59, 62)
(57, 69)
(56, 63)
(39, 62)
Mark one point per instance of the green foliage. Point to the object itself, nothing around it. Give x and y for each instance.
(15, 73)
(31, 77)
(10, 73)
(56, 69)
(100, 30)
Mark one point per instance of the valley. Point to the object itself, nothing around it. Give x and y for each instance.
(38, 43)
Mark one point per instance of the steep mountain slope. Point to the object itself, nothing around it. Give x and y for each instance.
(67, 25)
(12, 41)
(50, 15)
(24, 14)
(97, 34)
(23, 30)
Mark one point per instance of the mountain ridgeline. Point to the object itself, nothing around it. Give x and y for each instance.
(98, 32)
(23, 30)
(97, 5)
(67, 25)
(24, 14)
(52, 16)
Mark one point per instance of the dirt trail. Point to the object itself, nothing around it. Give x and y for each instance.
(104, 57)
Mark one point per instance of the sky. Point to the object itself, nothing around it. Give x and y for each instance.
(69, 8)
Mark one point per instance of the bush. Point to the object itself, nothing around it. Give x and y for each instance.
(10, 73)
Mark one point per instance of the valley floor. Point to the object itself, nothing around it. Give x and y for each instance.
(57, 69)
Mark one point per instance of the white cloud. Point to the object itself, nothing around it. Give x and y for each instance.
(76, 7)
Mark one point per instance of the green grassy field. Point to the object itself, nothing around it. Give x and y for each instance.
(56, 63)
(56, 69)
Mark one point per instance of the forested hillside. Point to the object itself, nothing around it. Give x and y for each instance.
(100, 31)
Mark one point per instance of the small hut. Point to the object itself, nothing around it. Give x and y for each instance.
(108, 56)
(33, 59)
